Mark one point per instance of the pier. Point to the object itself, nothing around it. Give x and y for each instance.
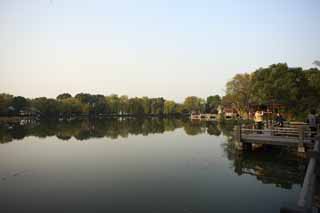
(298, 137)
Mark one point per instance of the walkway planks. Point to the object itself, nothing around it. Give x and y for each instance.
(274, 140)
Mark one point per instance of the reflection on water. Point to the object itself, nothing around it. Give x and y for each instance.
(168, 165)
(270, 165)
(111, 128)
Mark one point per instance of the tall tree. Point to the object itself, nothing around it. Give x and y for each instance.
(239, 91)
(5, 101)
(193, 103)
(169, 107)
(212, 103)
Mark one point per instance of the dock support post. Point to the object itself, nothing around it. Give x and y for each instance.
(237, 137)
(301, 147)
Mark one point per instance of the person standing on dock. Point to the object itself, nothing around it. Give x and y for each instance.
(313, 122)
(279, 120)
(258, 119)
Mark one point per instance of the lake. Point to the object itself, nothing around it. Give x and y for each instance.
(140, 165)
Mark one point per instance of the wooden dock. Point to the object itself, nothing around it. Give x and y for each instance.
(299, 137)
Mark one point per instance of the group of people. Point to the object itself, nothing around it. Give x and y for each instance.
(258, 118)
(312, 120)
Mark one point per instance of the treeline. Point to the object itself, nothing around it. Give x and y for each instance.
(296, 89)
(66, 105)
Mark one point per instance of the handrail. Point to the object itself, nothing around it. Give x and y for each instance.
(306, 193)
(274, 129)
(300, 132)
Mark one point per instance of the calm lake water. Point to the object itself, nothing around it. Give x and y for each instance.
(133, 165)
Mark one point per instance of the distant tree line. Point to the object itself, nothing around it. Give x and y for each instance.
(295, 88)
(66, 105)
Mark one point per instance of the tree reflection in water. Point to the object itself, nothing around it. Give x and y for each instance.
(111, 128)
(277, 167)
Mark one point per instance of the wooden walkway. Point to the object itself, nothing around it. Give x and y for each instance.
(299, 137)
(293, 136)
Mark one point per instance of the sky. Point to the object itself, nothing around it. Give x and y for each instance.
(171, 49)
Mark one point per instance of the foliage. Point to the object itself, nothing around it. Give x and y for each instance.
(212, 103)
(64, 96)
(297, 89)
(239, 91)
(193, 103)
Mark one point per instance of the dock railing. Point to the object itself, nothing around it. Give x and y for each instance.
(301, 132)
(305, 202)
(307, 192)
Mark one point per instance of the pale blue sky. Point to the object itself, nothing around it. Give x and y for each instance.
(150, 48)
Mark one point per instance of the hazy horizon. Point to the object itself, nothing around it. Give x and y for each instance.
(170, 49)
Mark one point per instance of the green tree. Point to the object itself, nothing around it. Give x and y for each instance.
(282, 84)
(193, 103)
(70, 106)
(64, 96)
(124, 104)
(113, 102)
(135, 106)
(146, 104)
(169, 107)
(212, 103)
(5, 101)
(157, 105)
(47, 107)
(239, 91)
(19, 103)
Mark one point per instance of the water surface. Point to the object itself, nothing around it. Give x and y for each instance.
(135, 165)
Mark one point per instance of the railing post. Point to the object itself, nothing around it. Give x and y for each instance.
(301, 147)
(237, 137)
